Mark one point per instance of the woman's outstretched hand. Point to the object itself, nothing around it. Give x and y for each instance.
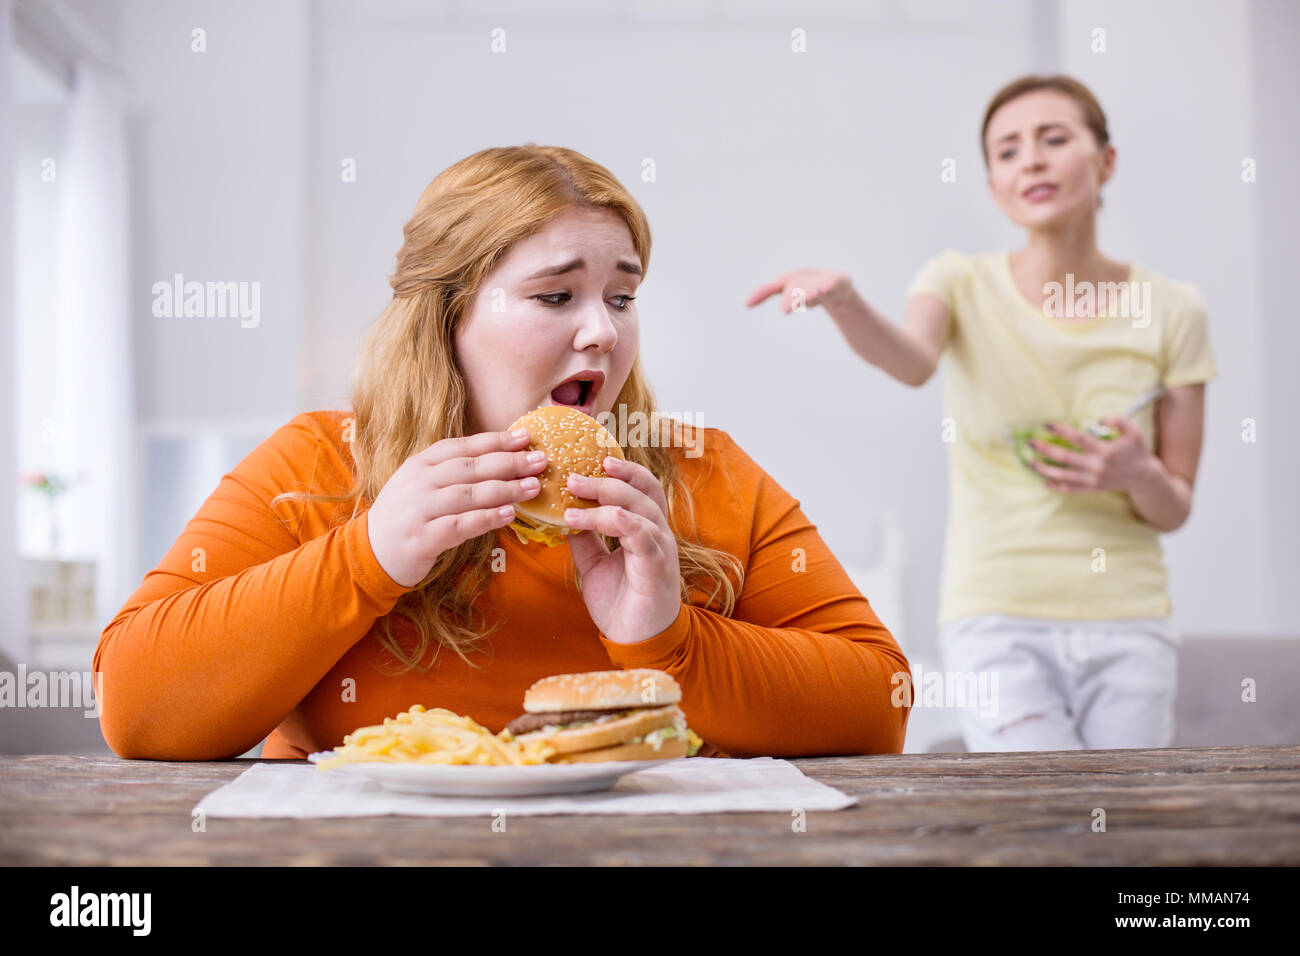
(634, 592)
(1117, 464)
(806, 287)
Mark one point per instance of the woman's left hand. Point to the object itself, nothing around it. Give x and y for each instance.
(632, 593)
(1117, 464)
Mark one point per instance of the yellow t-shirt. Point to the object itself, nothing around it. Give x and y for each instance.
(1013, 546)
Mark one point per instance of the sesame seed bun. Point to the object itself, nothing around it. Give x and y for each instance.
(575, 443)
(602, 690)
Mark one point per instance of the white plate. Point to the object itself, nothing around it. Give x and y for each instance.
(477, 781)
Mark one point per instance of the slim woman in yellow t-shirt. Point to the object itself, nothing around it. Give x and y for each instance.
(1053, 590)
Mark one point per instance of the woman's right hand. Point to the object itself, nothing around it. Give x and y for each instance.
(820, 287)
(454, 490)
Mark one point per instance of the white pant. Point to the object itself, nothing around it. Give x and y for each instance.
(1066, 685)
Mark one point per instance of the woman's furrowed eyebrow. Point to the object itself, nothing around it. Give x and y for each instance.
(1041, 128)
(623, 265)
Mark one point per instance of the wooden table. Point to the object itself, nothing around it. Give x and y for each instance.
(1170, 807)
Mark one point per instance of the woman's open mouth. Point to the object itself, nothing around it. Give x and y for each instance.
(579, 391)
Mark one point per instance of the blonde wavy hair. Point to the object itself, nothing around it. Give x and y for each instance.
(408, 392)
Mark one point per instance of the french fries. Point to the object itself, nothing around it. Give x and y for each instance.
(436, 736)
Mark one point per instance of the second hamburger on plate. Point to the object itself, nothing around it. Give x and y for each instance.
(607, 715)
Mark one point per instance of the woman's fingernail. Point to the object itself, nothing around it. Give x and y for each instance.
(576, 480)
(611, 463)
(571, 514)
(519, 433)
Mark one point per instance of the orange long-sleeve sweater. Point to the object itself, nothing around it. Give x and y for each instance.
(253, 627)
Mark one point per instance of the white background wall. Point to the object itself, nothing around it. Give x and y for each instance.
(13, 611)
(221, 139)
(1275, 115)
(766, 160)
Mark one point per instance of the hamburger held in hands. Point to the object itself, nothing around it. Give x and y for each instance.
(606, 715)
(574, 442)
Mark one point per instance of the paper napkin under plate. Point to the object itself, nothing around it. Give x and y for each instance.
(693, 785)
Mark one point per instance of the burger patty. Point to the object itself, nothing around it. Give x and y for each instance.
(529, 722)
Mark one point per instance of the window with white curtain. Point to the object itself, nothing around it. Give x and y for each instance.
(76, 451)
(41, 102)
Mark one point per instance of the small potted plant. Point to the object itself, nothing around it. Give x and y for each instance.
(51, 486)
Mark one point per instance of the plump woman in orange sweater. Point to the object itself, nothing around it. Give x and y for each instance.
(359, 562)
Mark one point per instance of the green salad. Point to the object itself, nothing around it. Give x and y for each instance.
(1020, 437)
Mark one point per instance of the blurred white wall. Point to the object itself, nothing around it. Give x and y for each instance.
(13, 610)
(223, 159)
(766, 160)
(1275, 115)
